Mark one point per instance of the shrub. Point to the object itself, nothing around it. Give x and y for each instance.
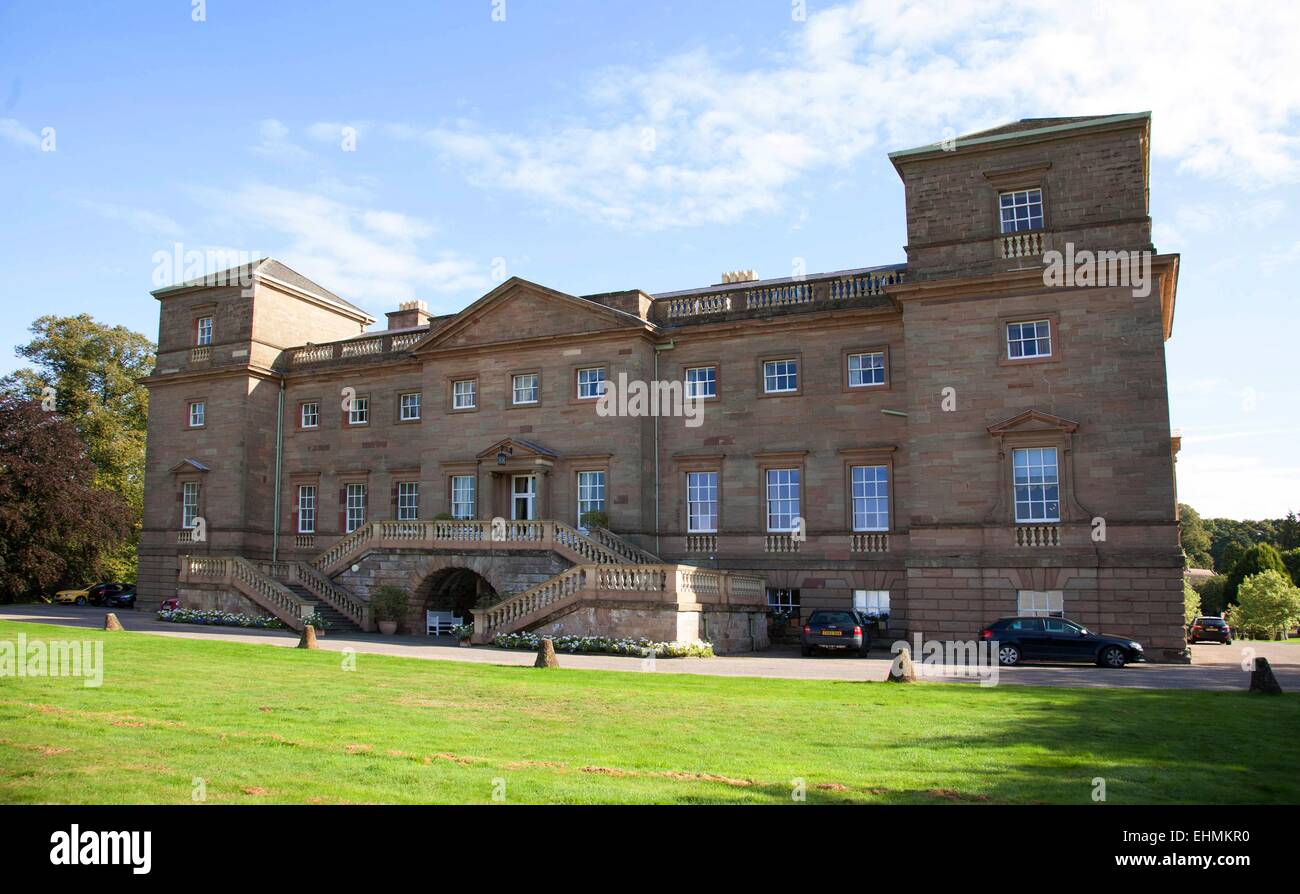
(1259, 558)
(1291, 559)
(607, 645)
(1267, 602)
(389, 602)
(595, 518)
(1191, 604)
(219, 619)
(444, 516)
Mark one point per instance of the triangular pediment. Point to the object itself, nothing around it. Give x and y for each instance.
(518, 309)
(1033, 421)
(189, 465)
(516, 448)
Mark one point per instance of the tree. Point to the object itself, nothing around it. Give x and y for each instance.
(1268, 603)
(1230, 555)
(92, 370)
(1291, 559)
(1288, 533)
(1195, 537)
(55, 523)
(1191, 604)
(1259, 558)
(1211, 592)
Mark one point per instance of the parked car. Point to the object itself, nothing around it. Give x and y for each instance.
(1210, 629)
(74, 596)
(100, 594)
(839, 630)
(1058, 639)
(123, 598)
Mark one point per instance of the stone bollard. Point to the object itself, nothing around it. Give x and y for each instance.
(901, 670)
(308, 640)
(1262, 678)
(546, 655)
(112, 623)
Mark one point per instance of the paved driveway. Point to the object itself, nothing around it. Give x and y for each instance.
(1213, 666)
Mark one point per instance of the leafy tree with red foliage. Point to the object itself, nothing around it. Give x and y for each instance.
(55, 525)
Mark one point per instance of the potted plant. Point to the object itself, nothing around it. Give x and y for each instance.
(594, 518)
(389, 605)
(463, 632)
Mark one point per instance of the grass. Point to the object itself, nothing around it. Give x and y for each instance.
(264, 724)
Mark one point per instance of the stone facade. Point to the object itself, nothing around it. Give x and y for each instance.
(944, 421)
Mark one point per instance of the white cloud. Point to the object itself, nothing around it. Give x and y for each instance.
(708, 137)
(371, 256)
(274, 142)
(142, 219)
(12, 131)
(1225, 485)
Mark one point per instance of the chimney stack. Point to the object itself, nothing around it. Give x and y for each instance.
(408, 315)
(739, 276)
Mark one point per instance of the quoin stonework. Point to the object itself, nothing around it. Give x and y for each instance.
(942, 441)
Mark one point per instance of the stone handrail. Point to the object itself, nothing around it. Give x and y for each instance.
(244, 576)
(571, 543)
(827, 290)
(376, 345)
(629, 551)
(355, 609)
(1038, 535)
(508, 615)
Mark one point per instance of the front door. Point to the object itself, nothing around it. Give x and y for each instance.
(523, 497)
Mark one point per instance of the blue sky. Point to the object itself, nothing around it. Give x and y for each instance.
(595, 146)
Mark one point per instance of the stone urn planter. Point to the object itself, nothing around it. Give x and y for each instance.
(387, 628)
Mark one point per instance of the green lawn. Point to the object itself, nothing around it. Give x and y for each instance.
(265, 724)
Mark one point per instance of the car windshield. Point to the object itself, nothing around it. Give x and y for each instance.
(831, 618)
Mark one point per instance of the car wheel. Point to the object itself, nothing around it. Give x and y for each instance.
(81, 600)
(1112, 656)
(1008, 655)
(1227, 642)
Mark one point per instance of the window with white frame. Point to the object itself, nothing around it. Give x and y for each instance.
(408, 500)
(1031, 338)
(356, 507)
(307, 509)
(409, 406)
(702, 502)
(189, 504)
(1021, 209)
(591, 493)
(198, 414)
(591, 382)
(866, 369)
(462, 496)
(780, 376)
(1037, 484)
(783, 600)
(310, 415)
(871, 602)
(524, 388)
(782, 499)
(701, 382)
(1040, 602)
(359, 411)
(869, 486)
(203, 332)
(464, 394)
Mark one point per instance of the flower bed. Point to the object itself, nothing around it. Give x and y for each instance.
(219, 619)
(605, 645)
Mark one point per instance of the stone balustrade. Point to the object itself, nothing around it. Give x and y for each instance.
(1038, 535)
(759, 298)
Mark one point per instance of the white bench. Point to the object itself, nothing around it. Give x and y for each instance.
(437, 622)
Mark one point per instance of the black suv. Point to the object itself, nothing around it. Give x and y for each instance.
(1215, 630)
(836, 629)
(1056, 639)
(113, 595)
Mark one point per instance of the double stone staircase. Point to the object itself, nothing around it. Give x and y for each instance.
(603, 568)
